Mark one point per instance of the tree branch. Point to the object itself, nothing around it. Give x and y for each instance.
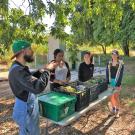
(28, 7)
(22, 3)
(14, 3)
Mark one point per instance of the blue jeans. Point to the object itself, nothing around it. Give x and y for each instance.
(26, 115)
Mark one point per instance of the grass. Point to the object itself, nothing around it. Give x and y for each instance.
(132, 104)
(105, 58)
(128, 92)
(129, 59)
(128, 80)
(96, 49)
(128, 84)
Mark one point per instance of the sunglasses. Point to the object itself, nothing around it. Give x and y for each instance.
(114, 54)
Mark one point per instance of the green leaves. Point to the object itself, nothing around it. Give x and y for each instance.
(17, 25)
(102, 22)
(38, 9)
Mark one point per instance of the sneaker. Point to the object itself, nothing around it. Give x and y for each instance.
(112, 112)
(117, 114)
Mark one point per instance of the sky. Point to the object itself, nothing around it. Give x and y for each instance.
(47, 19)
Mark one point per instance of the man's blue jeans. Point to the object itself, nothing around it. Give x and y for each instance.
(26, 115)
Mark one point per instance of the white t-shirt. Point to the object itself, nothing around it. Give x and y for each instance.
(61, 72)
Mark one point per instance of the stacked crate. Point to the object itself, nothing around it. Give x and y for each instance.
(56, 106)
(81, 94)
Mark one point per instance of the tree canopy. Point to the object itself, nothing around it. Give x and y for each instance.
(101, 22)
(15, 24)
(93, 22)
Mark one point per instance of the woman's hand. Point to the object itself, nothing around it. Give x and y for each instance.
(65, 81)
(60, 82)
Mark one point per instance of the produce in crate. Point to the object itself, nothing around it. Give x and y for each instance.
(68, 89)
(100, 79)
(79, 91)
(102, 84)
(76, 89)
(95, 80)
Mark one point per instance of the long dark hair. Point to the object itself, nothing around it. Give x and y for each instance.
(91, 58)
(56, 51)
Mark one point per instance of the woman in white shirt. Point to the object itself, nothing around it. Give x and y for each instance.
(61, 74)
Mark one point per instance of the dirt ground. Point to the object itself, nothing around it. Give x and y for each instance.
(95, 122)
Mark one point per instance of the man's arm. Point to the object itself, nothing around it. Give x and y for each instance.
(36, 74)
(27, 82)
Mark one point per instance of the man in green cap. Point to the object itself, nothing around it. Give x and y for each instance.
(25, 86)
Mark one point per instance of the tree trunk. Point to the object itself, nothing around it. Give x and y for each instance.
(103, 48)
(125, 47)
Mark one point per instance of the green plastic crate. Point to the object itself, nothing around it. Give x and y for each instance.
(56, 106)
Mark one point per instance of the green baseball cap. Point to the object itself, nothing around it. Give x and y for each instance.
(19, 45)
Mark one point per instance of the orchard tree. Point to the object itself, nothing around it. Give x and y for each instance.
(101, 22)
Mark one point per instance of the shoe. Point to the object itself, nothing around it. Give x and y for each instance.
(112, 112)
(117, 114)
